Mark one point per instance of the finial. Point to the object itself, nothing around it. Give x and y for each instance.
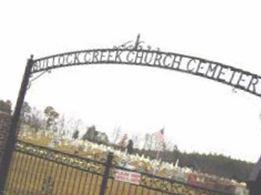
(137, 42)
(31, 56)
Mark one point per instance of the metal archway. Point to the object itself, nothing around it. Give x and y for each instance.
(215, 71)
(133, 54)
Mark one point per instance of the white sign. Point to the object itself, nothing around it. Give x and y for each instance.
(127, 176)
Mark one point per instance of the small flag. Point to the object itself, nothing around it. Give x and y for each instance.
(159, 135)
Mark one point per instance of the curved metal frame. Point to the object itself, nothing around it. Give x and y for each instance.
(235, 77)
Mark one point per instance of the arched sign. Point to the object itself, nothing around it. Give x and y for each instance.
(132, 54)
(219, 72)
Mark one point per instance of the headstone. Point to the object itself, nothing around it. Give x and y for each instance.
(4, 128)
(54, 142)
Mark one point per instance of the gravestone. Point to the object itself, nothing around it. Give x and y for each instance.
(4, 127)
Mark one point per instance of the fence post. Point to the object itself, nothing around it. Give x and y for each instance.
(11, 138)
(106, 173)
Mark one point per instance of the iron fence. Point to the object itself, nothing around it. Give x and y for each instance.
(37, 170)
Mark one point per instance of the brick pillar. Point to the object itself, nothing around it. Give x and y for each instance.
(4, 128)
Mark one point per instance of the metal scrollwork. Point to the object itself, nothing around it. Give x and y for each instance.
(135, 45)
(171, 187)
(62, 158)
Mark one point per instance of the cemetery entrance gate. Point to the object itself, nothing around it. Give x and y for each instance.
(132, 53)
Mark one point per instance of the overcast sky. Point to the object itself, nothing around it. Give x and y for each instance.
(198, 114)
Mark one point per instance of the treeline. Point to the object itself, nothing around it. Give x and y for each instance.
(51, 120)
(219, 165)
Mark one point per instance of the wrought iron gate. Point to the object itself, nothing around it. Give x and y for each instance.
(38, 170)
(136, 54)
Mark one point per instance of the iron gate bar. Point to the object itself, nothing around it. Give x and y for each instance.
(108, 165)
(19, 171)
(67, 186)
(60, 175)
(64, 178)
(11, 139)
(25, 175)
(74, 178)
(112, 184)
(41, 172)
(80, 181)
(34, 178)
(85, 181)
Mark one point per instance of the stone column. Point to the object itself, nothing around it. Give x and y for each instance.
(4, 128)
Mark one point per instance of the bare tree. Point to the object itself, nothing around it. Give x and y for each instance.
(61, 125)
(168, 144)
(51, 117)
(148, 142)
(90, 134)
(136, 140)
(116, 134)
(25, 113)
(36, 120)
(6, 106)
